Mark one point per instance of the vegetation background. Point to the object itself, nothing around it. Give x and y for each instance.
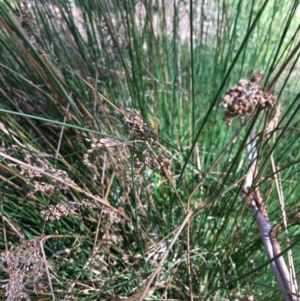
(69, 73)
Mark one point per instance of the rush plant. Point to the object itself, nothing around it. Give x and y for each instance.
(144, 155)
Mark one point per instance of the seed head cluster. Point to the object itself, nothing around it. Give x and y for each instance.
(152, 156)
(101, 143)
(55, 212)
(245, 96)
(142, 131)
(25, 267)
(26, 18)
(143, 135)
(32, 171)
(154, 162)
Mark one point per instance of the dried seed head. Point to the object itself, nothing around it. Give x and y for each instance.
(152, 156)
(243, 82)
(235, 107)
(241, 100)
(257, 77)
(70, 208)
(25, 267)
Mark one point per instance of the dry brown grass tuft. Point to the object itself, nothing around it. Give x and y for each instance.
(38, 172)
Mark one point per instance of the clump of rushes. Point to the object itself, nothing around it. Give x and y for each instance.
(245, 96)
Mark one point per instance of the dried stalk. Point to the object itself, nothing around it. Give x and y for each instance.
(272, 248)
